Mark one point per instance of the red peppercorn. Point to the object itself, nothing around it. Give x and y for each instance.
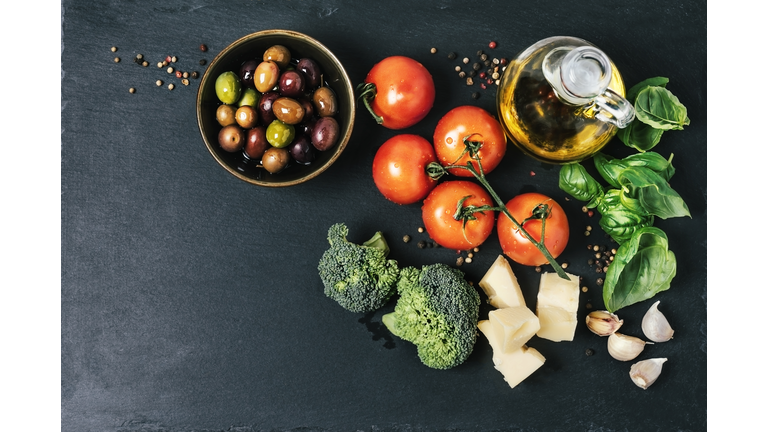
(203, 48)
(482, 86)
(489, 80)
(168, 59)
(178, 74)
(590, 213)
(533, 173)
(483, 75)
(492, 45)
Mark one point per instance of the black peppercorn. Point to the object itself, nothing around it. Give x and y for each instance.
(202, 62)
(451, 55)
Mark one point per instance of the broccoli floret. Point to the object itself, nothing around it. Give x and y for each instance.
(437, 311)
(359, 277)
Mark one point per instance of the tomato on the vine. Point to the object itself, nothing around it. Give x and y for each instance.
(399, 168)
(513, 242)
(398, 91)
(473, 125)
(440, 207)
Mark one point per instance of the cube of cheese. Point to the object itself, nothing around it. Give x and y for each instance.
(500, 285)
(556, 307)
(513, 326)
(519, 364)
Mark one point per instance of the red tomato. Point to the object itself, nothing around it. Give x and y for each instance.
(399, 168)
(403, 92)
(513, 242)
(440, 206)
(473, 123)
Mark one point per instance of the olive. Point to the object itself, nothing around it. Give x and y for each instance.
(232, 138)
(307, 126)
(311, 72)
(302, 150)
(309, 108)
(256, 142)
(325, 133)
(265, 107)
(246, 72)
(291, 84)
(228, 87)
(225, 114)
(288, 110)
(324, 100)
(280, 134)
(278, 54)
(275, 159)
(250, 97)
(247, 116)
(265, 76)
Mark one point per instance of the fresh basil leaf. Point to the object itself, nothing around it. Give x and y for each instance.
(577, 182)
(610, 168)
(643, 188)
(618, 221)
(659, 108)
(656, 81)
(642, 267)
(640, 136)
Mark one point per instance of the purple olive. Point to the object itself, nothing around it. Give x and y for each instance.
(246, 72)
(291, 84)
(256, 142)
(302, 150)
(325, 133)
(311, 71)
(265, 107)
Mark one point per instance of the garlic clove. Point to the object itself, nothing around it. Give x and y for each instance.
(644, 373)
(655, 325)
(603, 323)
(623, 347)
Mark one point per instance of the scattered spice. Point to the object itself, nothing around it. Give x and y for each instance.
(117, 59)
(159, 83)
(173, 59)
(169, 70)
(203, 48)
(113, 49)
(492, 45)
(451, 55)
(466, 60)
(589, 352)
(194, 74)
(584, 289)
(171, 86)
(475, 95)
(185, 82)
(433, 50)
(468, 260)
(406, 238)
(421, 229)
(145, 63)
(470, 81)
(421, 244)
(159, 65)
(202, 62)
(459, 261)
(132, 90)
(178, 74)
(185, 75)
(140, 56)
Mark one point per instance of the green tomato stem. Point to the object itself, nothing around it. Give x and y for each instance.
(366, 93)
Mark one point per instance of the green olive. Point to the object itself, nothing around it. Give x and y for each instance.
(280, 134)
(225, 114)
(228, 87)
(250, 97)
(278, 54)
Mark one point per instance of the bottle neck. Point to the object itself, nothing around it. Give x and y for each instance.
(577, 74)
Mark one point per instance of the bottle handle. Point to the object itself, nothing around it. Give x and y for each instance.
(612, 108)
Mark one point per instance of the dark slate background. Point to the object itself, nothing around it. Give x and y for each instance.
(190, 300)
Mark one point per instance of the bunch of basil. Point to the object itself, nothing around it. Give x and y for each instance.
(639, 191)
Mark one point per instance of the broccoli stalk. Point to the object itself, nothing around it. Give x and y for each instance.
(438, 312)
(357, 276)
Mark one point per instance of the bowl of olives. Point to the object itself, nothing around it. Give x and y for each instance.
(275, 108)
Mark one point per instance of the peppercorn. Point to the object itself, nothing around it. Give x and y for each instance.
(202, 62)
(476, 250)
(433, 50)
(420, 229)
(480, 52)
(451, 55)
(584, 289)
(482, 86)
(459, 261)
(159, 65)
(475, 95)
(114, 49)
(472, 73)
(462, 74)
(476, 66)
(538, 269)
(194, 74)
(159, 83)
(599, 281)
(492, 45)
(465, 60)
(203, 48)
(589, 352)
(171, 86)
(421, 244)
(145, 63)
(457, 68)
(173, 59)
(584, 209)
(406, 238)
(132, 90)
(564, 265)
(470, 81)
(468, 260)
(168, 59)
(185, 82)
(185, 75)
(117, 59)
(169, 70)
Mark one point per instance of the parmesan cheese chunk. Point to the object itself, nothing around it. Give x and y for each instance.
(513, 326)
(500, 285)
(519, 364)
(556, 307)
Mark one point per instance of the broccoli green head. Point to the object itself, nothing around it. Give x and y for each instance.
(438, 312)
(358, 276)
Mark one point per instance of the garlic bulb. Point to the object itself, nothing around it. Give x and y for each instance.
(655, 325)
(644, 373)
(623, 347)
(603, 323)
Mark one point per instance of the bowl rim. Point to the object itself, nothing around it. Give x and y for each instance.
(343, 140)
